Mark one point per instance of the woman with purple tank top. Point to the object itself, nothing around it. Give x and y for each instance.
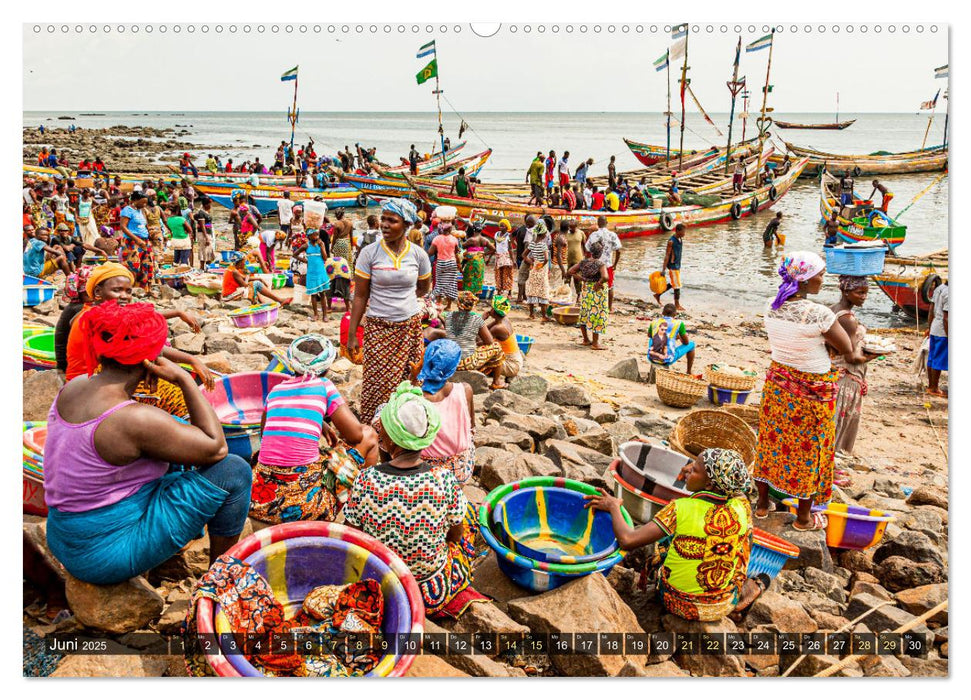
(114, 510)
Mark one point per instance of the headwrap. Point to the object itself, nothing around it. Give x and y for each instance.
(422, 215)
(306, 363)
(106, 271)
(540, 229)
(849, 283)
(106, 231)
(796, 268)
(727, 471)
(466, 300)
(76, 283)
(126, 334)
(500, 304)
(441, 359)
(409, 420)
(504, 223)
(402, 207)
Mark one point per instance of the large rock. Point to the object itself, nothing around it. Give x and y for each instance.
(35, 537)
(428, 666)
(523, 466)
(885, 618)
(530, 386)
(174, 615)
(925, 668)
(129, 665)
(569, 395)
(596, 440)
(486, 456)
(883, 667)
(929, 520)
(602, 413)
(191, 343)
(665, 669)
(812, 545)
(926, 495)
(626, 369)
(221, 342)
(479, 382)
(911, 545)
(813, 664)
(485, 617)
(654, 425)
(856, 560)
(500, 437)
(622, 431)
(786, 615)
(489, 580)
(566, 454)
(827, 585)
(870, 588)
(218, 362)
(574, 425)
(898, 574)
(40, 390)
(508, 402)
(539, 428)
(280, 336)
(918, 601)
(703, 664)
(249, 362)
(587, 604)
(122, 607)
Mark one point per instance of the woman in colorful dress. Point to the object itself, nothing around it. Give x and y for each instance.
(574, 251)
(852, 386)
(453, 448)
(447, 257)
(480, 351)
(473, 259)
(136, 250)
(114, 510)
(797, 428)
(505, 263)
(390, 276)
(418, 511)
(594, 306)
(538, 283)
(497, 321)
(341, 244)
(704, 541)
(318, 282)
(153, 222)
(295, 477)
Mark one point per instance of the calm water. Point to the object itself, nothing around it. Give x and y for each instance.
(723, 262)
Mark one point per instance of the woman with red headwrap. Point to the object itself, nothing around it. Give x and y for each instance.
(115, 511)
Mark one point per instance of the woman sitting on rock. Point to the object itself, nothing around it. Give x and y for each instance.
(114, 512)
(497, 321)
(480, 351)
(416, 510)
(453, 448)
(704, 541)
(297, 478)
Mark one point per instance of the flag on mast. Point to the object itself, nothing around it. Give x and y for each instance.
(759, 44)
(427, 50)
(290, 74)
(941, 72)
(677, 49)
(428, 72)
(679, 31)
(661, 63)
(930, 104)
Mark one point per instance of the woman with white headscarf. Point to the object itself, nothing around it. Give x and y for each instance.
(797, 427)
(296, 478)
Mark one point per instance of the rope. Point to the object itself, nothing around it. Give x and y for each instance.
(459, 114)
(840, 665)
(920, 194)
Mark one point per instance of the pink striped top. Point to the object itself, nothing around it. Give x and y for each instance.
(295, 412)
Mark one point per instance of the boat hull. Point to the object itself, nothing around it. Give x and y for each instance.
(907, 281)
(839, 126)
(853, 230)
(925, 161)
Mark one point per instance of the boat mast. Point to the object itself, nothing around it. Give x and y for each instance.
(684, 85)
(292, 117)
(734, 86)
(667, 160)
(930, 120)
(837, 108)
(438, 101)
(763, 128)
(744, 115)
(947, 113)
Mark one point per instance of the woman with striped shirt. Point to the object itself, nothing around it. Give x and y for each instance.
(297, 478)
(538, 283)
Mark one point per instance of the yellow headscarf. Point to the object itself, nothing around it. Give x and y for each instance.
(106, 271)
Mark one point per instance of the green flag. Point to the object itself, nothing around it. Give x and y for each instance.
(428, 72)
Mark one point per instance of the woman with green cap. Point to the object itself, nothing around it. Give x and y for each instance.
(418, 512)
(497, 321)
(704, 541)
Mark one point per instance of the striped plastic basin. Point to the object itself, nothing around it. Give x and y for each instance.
(297, 557)
(769, 554)
(240, 399)
(35, 435)
(258, 316)
(278, 363)
(849, 527)
(524, 342)
(718, 396)
(37, 291)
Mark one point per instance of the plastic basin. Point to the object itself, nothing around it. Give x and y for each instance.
(240, 399)
(653, 469)
(524, 342)
(849, 527)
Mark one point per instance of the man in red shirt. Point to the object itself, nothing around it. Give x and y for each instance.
(598, 199)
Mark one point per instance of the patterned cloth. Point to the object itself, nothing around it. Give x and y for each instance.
(702, 564)
(538, 284)
(484, 358)
(594, 308)
(473, 272)
(341, 248)
(140, 261)
(504, 275)
(727, 471)
(446, 279)
(390, 349)
(461, 465)
(166, 396)
(797, 431)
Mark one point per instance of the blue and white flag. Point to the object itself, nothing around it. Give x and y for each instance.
(427, 50)
(661, 63)
(759, 44)
(941, 72)
(290, 74)
(679, 31)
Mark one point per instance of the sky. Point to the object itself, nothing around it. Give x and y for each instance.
(514, 70)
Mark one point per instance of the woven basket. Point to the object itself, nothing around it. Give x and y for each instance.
(748, 413)
(724, 380)
(677, 389)
(700, 430)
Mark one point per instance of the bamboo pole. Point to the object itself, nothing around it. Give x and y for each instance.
(733, 87)
(684, 77)
(293, 122)
(843, 663)
(928, 129)
(667, 160)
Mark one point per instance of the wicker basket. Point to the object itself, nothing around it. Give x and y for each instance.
(747, 412)
(724, 380)
(700, 430)
(677, 389)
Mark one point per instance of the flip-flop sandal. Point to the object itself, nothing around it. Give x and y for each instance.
(820, 521)
(763, 581)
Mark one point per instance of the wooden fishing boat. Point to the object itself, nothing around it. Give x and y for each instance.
(432, 165)
(861, 221)
(910, 281)
(933, 159)
(795, 125)
(651, 154)
(628, 224)
(265, 199)
(390, 184)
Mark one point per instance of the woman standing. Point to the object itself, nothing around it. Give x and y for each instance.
(473, 260)
(205, 240)
(505, 264)
(390, 276)
(797, 429)
(594, 304)
(419, 512)
(538, 282)
(452, 448)
(296, 478)
(136, 249)
(852, 386)
(444, 247)
(574, 251)
(153, 221)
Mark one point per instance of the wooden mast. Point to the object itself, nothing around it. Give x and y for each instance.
(734, 86)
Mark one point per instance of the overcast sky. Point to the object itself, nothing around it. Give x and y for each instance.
(548, 71)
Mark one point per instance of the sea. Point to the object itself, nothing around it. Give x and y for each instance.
(725, 266)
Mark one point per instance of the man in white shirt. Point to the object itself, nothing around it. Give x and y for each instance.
(564, 170)
(587, 196)
(285, 208)
(610, 256)
(937, 355)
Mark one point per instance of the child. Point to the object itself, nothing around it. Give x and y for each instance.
(704, 541)
(318, 282)
(664, 334)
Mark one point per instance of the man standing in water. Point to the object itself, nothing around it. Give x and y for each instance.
(550, 168)
(832, 229)
(564, 171)
(772, 230)
(672, 264)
